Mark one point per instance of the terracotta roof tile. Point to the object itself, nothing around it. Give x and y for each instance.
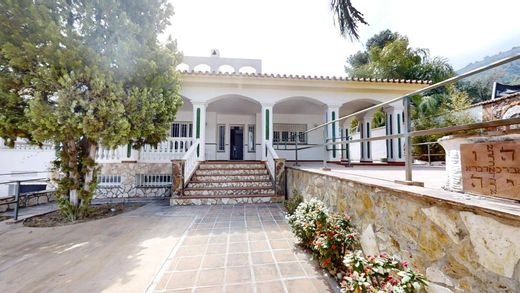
(305, 77)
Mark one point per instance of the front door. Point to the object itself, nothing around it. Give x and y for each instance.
(236, 143)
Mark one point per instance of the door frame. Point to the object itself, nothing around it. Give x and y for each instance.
(243, 138)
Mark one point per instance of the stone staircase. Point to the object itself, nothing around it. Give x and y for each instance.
(229, 182)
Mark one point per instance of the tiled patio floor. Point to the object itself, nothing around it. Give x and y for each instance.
(242, 248)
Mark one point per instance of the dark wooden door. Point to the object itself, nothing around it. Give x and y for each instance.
(236, 143)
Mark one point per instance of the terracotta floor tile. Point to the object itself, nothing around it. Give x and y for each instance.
(265, 272)
(218, 239)
(280, 244)
(189, 263)
(259, 245)
(181, 280)
(300, 286)
(216, 249)
(163, 282)
(291, 269)
(238, 237)
(322, 285)
(256, 236)
(262, 257)
(239, 288)
(195, 240)
(311, 268)
(237, 259)
(238, 275)
(284, 255)
(214, 261)
(212, 289)
(191, 250)
(238, 247)
(269, 287)
(210, 277)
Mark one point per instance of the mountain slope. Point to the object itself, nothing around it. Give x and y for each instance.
(507, 73)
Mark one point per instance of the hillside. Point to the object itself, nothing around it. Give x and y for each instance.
(508, 73)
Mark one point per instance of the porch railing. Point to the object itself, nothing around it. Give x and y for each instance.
(270, 159)
(109, 155)
(191, 159)
(170, 149)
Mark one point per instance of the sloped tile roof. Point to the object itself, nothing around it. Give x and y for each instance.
(304, 77)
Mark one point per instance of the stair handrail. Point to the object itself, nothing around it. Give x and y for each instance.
(270, 158)
(190, 159)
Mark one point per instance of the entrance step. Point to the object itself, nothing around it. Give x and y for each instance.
(228, 182)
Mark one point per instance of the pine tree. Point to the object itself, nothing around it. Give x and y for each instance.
(83, 73)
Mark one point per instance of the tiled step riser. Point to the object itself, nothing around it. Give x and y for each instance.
(235, 200)
(231, 178)
(229, 184)
(224, 192)
(231, 166)
(232, 172)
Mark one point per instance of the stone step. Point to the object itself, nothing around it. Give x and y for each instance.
(239, 199)
(230, 183)
(209, 166)
(226, 191)
(209, 178)
(231, 172)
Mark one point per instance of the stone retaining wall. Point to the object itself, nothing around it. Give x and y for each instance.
(128, 172)
(27, 200)
(459, 248)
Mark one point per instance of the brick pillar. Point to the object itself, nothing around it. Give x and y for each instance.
(177, 177)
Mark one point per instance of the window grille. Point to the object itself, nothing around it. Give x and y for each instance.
(108, 180)
(288, 133)
(181, 129)
(221, 145)
(153, 180)
(251, 138)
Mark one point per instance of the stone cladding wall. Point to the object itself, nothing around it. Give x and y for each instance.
(128, 172)
(459, 248)
(27, 200)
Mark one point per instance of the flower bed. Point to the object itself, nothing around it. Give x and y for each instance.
(334, 242)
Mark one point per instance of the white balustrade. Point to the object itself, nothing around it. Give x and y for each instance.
(191, 161)
(173, 148)
(271, 156)
(109, 155)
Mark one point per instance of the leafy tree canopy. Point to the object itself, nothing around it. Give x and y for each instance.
(389, 55)
(79, 73)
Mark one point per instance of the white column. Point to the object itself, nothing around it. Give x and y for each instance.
(266, 128)
(366, 147)
(333, 133)
(396, 126)
(199, 127)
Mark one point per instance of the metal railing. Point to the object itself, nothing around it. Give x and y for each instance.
(17, 191)
(407, 134)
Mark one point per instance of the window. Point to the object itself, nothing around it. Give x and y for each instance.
(221, 136)
(153, 180)
(181, 129)
(251, 138)
(108, 180)
(288, 133)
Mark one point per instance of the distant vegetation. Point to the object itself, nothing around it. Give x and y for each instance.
(479, 86)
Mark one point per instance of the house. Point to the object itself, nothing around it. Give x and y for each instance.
(236, 121)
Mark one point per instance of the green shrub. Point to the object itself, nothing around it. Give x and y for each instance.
(293, 202)
(338, 238)
(334, 241)
(308, 220)
(381, 273)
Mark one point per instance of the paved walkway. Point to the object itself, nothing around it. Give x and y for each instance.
(243, 248)
(158, 248)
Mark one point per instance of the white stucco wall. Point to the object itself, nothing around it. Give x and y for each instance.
(23, 159)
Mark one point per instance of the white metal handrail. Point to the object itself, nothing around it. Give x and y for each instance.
(190, 159)
(271, 157)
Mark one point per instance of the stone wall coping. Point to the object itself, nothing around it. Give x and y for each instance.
(502, 208)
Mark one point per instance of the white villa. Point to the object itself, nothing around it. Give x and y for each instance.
(236, 117)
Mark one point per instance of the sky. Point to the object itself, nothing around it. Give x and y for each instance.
(299, 36)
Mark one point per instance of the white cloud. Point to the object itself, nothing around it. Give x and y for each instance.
(298, 36)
